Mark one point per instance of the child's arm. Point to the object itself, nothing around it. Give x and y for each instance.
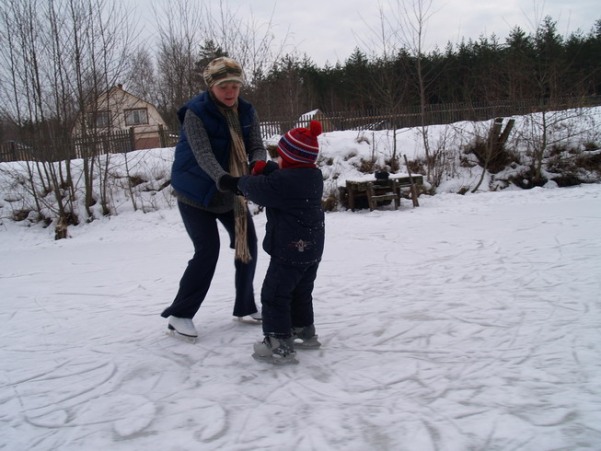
(262, 189)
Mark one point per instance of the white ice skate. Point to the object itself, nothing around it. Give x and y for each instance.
(182, 328)
(253, 318)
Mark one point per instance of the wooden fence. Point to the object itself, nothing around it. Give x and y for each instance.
(118, 141)
(411, 116)
(124, 141)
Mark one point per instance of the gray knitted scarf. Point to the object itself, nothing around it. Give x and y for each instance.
(238, 167)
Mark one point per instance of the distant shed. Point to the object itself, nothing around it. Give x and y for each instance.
(316, 115)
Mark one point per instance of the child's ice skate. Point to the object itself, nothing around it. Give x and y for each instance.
(278, 351)
(305, 338)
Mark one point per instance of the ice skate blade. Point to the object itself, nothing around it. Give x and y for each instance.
(275, 360)
(186, 338)
(248, 320)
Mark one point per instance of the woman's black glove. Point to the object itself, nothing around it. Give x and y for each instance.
(270, 167)
(229, 183)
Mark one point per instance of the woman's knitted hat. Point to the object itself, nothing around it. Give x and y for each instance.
(299, 147)
(221, 70)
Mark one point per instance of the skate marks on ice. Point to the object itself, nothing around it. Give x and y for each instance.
(448, 327)
(110, 398)
(491, 338)
(76, 397)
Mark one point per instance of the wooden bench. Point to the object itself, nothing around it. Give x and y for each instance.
(378, 191)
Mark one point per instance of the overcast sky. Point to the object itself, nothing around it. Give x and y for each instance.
(329, 30)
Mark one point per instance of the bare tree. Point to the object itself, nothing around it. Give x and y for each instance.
(412, 18)
(245, 38)
(401, 42)
(59, 56)
(24, 58)
(190, 34)
(142, 77)
(181, 32)
(385, 83)
(491, 154)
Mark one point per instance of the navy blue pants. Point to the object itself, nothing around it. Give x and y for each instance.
(201, 226)
(287, 297)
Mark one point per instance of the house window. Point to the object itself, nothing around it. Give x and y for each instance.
(136, 117)
(99, 119)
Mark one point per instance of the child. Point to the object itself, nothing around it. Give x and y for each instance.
(291, 191)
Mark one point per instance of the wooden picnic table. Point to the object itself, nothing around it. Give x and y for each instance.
(380, 190)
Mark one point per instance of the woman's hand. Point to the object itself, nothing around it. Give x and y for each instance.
(229, 183)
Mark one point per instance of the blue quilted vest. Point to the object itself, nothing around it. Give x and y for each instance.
(187, 178)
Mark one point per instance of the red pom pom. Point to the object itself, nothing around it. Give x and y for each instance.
(258, 167)
(315, 128)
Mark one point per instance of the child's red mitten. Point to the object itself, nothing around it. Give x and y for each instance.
(258, 167)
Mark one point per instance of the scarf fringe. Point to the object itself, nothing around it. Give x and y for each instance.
(239, 167)
(241, 242)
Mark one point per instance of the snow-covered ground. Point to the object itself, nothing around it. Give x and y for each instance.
(471, 322)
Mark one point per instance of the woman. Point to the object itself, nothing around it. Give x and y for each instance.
(219, 136)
